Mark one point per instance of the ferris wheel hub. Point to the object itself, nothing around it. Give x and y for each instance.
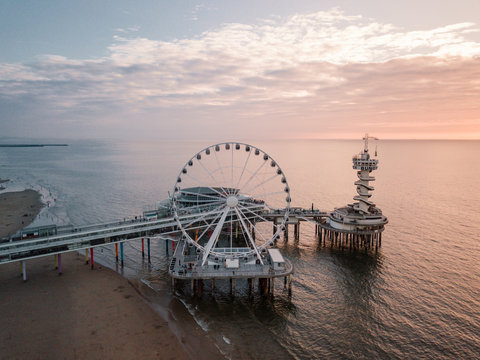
(232, 201)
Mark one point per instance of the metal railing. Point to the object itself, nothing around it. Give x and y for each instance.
(87, 236)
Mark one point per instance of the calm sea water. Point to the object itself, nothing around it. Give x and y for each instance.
(417, 297)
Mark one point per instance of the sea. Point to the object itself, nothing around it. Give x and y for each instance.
(416, 297)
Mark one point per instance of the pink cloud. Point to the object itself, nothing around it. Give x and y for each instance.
(323, 74)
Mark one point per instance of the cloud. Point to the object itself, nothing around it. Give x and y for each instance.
(129, 30)
(318, 74)
(197, 9)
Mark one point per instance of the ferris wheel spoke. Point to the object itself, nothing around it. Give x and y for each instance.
(208, 226)
(203, 195)
(211, 175)
(215, 234)
(243, 170)
(254, 213)
(203, 214)
(207, 186)
(245, 230)
(254, 174)
(220, 166)
(232, 168)
(251, 206)
(260, 184)
(210, 204)
(252, 224)
(216, 211)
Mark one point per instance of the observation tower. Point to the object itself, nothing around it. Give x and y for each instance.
(360, 223)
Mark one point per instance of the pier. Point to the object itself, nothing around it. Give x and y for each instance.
(223, 225)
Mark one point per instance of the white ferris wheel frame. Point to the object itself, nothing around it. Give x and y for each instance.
(228, 202)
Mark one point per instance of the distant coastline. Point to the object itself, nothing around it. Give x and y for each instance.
(31, 145)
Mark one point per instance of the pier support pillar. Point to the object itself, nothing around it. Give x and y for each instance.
(91, 258)
(59, 264)
(143, 248)
(199, 287)
(116, 252)
(86, 256)
(56, 261)
(232, 286)
(192, 287)
(173, 282)
(263, 285)
(251, 284)
(24, 270)
(272, 286)
(148, 249)
(289, 285)
(212, 282)
(121, 253)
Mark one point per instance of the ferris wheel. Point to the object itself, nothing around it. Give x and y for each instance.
(222, 199)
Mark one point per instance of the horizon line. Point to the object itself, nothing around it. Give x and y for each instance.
(228, 138)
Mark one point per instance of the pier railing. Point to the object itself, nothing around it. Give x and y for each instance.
(72, 238)
(243, 272)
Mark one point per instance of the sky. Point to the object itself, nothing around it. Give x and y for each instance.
(228, 70)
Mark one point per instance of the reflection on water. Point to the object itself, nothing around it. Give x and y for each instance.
(417, 297)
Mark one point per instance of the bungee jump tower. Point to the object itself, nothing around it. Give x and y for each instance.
(359, 224)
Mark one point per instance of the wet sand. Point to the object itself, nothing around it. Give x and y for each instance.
(82, 314)
(17, 210)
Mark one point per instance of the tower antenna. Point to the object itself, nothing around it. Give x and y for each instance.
(365, 139)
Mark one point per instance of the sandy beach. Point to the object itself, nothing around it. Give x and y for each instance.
(84, 313)
(78, 315)
(17, 210)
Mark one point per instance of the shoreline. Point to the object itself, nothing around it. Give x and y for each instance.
(29, 145)
(1, 182)
(18, 209)
(197, 344)
(46, 305)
